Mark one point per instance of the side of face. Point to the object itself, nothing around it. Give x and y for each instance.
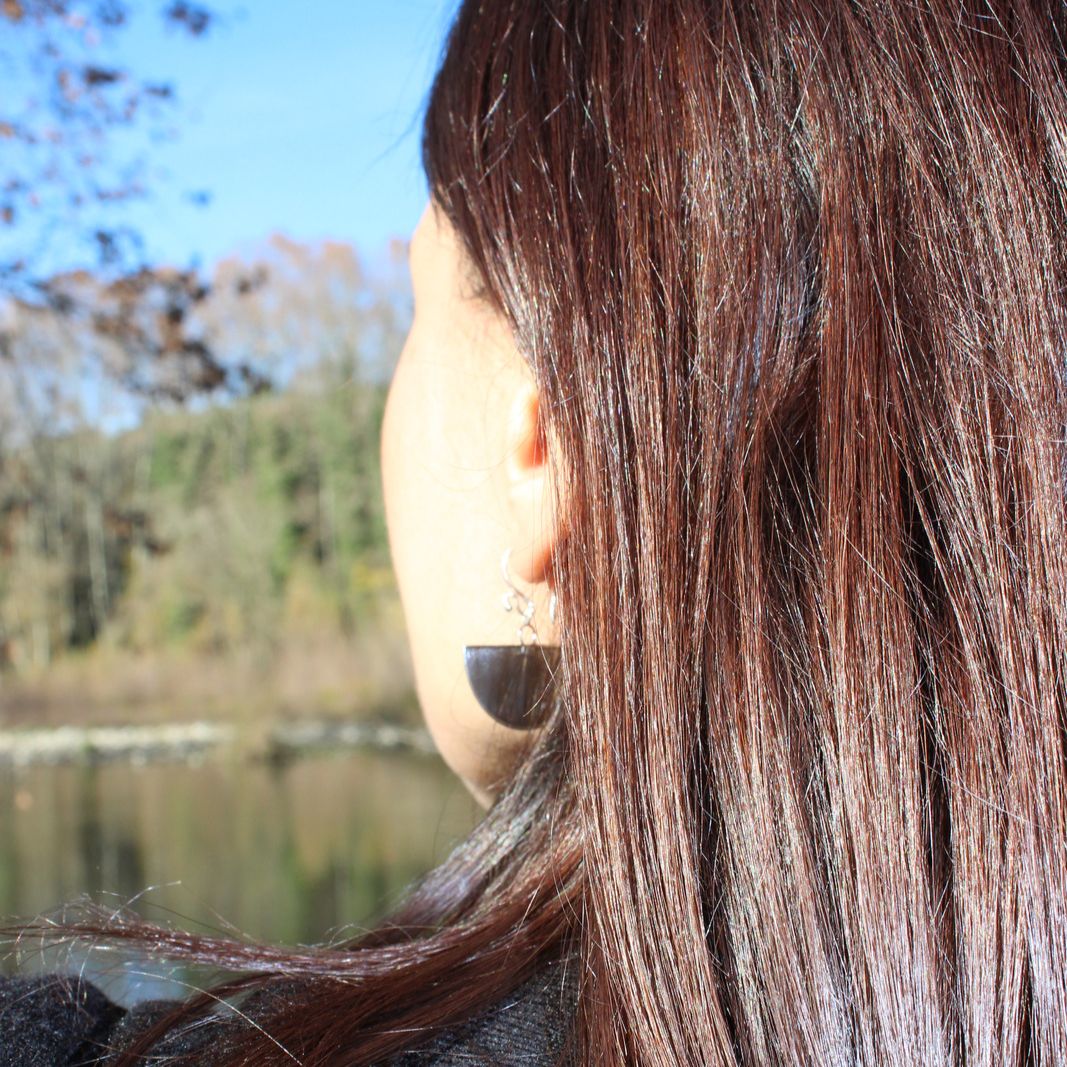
(465, 469)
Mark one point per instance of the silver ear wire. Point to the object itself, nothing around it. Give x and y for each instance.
(516, 600)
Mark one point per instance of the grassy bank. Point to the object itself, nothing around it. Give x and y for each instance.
(304, 674)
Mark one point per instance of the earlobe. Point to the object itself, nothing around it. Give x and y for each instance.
(529, 470)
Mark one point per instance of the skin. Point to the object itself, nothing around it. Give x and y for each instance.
(467, 468)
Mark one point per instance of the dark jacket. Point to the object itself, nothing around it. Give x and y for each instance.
(64, 1021)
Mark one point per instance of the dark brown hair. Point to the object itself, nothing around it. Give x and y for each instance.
(791, 277)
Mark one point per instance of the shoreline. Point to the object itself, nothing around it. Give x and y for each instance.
(191, 741)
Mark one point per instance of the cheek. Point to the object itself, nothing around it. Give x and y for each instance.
(388, 455)
(400, 446)
(430, 459)
(419, 512)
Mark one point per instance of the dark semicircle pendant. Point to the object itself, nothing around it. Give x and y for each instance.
(514, 683)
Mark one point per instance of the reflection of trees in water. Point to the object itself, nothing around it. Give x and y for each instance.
(290, 854)
(110, 852)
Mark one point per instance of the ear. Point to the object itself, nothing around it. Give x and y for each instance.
(531, 464)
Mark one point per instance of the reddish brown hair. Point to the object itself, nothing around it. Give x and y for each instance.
(791, 276)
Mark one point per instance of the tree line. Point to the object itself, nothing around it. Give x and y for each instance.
(214, 529)
(147, 518)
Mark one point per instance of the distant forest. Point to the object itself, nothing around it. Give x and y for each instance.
(150, 525)
(212, 529)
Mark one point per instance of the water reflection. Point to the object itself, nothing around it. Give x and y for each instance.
(292, 854)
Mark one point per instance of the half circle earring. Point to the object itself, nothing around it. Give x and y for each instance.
(515, 683)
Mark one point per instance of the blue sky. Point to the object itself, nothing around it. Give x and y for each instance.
(300, 118)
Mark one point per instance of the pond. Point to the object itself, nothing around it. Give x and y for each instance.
(294, 853)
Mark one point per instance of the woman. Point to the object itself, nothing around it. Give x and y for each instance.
(741, 324)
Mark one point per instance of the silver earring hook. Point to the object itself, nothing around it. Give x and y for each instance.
(516, 600)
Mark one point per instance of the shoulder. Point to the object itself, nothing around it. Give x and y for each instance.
(529, 1027)
(51, 1019)
(55, 1020)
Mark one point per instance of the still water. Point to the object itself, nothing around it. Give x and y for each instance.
(290, 854)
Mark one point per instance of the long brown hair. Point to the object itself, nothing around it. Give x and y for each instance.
(791, 277)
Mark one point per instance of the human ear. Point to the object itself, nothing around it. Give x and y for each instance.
(532, 462)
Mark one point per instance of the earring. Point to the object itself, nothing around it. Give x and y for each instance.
(514, 683)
